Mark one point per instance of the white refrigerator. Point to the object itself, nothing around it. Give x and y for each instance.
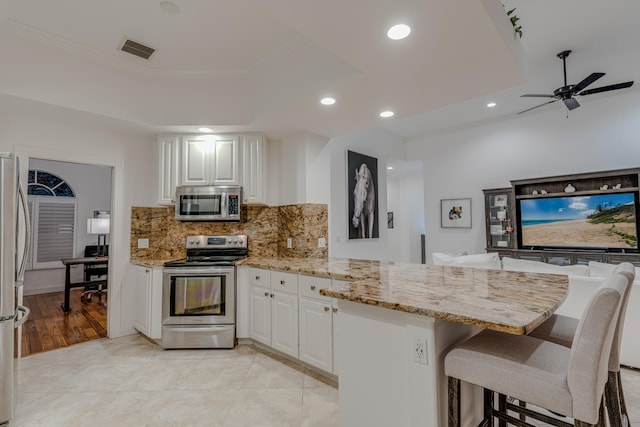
(14, 238)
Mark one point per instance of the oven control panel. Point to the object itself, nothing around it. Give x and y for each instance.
(212, 242)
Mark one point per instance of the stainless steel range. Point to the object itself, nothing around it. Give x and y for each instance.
(199, 294)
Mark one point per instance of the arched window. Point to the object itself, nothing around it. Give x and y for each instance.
(43, 183)
(52, 208)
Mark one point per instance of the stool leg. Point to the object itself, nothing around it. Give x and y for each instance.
(488, 408)
(502, 407)
(612, 396)
(623, 405)
(454, 402)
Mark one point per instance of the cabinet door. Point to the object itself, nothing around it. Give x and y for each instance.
(316, 334)
(155, 303)
(168, 168)
(196, 152)
(284, 323)
(253, 178)
(260, 306)
(141, 303)
(224, 169)
(336, 328)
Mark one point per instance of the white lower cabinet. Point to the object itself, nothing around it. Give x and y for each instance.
(147, 300)
(316, 334)
(273, 300)
(287, 312)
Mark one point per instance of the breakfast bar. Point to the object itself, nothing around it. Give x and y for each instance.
(395, 329)
(396, 322)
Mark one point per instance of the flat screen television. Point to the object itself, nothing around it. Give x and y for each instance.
(603, 222)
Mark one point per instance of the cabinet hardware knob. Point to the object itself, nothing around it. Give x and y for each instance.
(271, 295)
(266, 294)
(282, 282)
(335, 310)
(327, 309)
(313, 287)
(257, 277)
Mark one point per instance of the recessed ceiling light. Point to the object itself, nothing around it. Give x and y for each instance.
(170, 7)
(204, 129)
(389, 168)
(399, 32)
(386, 114)
(491, 104)
(327, 101)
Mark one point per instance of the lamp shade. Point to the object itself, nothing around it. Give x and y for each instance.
(98, 226)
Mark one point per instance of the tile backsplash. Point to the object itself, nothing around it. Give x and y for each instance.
(267, 228)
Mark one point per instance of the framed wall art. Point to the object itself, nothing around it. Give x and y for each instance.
(362, 192)
(455, 213)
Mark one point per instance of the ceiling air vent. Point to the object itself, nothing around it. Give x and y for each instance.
(137, 49)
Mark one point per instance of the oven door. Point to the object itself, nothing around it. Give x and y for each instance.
(198, 296)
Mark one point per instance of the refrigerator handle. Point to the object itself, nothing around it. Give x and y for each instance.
(27, 234)
(26, 311)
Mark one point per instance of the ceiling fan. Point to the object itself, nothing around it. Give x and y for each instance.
(567, 92)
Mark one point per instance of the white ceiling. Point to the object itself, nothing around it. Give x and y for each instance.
(263, 65)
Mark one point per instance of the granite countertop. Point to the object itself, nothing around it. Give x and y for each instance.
(506, 301)
(149, 262)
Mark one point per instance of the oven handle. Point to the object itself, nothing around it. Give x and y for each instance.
(189, 271)
(203, 328)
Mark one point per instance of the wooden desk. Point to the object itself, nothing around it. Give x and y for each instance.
(68, 285)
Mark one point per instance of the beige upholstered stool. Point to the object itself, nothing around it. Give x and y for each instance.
(568, 381)
(561, 329)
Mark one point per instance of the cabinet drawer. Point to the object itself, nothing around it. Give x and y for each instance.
(285, 282)
(259, 277)
(310, 286)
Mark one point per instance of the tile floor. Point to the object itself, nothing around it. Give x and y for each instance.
(131, 382)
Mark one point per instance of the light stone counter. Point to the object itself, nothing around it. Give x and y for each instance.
(505, 301)
(149, 262)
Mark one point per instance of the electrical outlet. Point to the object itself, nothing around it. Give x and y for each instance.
(289, 243)
(420, 350)
(322, 242)
(143, 243)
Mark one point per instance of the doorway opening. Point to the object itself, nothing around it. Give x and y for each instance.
(66, 201)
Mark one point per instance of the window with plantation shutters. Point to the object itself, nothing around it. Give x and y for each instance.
(52, 209)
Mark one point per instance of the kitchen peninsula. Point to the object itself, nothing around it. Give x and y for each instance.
(387, 310)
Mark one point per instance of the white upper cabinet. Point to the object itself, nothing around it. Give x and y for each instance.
(212, 160)
(168, 151)
(208, 159)
(253, 169)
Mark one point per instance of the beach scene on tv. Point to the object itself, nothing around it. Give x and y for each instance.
(599, 221)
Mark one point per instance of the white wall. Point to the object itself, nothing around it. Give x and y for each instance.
(69, 135)
(387, 147)
(603, 134)
(303, 169)
(92, 187)
(405, 198)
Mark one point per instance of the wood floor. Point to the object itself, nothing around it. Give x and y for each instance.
(48, 327)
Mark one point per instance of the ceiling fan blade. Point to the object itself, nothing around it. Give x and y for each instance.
(607, 88)
(586, 82)
(571, 103)
(534, 95)
(533, 108)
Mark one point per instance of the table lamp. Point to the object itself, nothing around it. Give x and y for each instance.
(99, 226)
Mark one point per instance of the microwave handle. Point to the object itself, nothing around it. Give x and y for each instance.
(223, 208)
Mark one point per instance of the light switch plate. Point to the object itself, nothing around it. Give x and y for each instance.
(143, 243)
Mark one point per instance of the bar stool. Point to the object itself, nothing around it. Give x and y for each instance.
(561, 329)
(567, 381)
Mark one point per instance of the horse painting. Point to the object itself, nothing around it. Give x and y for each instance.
(364, 200)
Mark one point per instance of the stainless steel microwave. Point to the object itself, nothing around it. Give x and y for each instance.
(208, 203)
